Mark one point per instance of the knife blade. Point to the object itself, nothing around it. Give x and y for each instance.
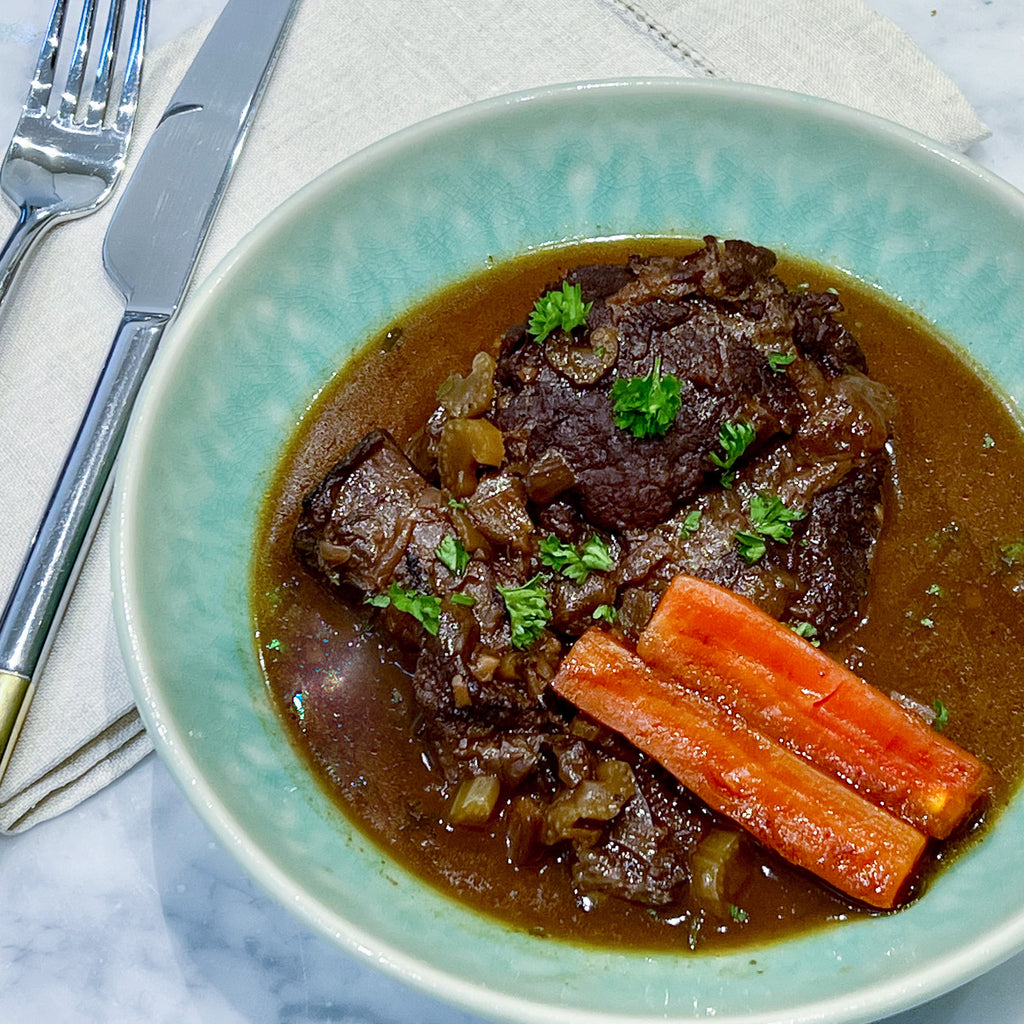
(150, 251)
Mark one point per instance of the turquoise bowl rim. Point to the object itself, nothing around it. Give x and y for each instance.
(177, 655)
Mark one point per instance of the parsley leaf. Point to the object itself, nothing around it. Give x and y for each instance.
(1012, 553)
(563, 309)
(595, 554)
(528, 611)
(576, 563)
(556, 554)
(751, 546)
(941, 716)
(605, 612)
(778, 361)
(738, 914)
(424, 608)
(452, 554)
(466, 600)
(690, 524)
(806, 630)
(735, 437)
(646, 406)
(769, 518)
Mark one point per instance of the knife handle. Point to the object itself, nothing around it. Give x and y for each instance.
(66, 529)
(15, 696)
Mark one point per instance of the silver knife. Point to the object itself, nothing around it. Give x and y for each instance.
(150, 252)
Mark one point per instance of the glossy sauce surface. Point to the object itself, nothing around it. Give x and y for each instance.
(944, 621)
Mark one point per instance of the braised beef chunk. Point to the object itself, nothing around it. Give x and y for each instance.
(375, 525)
(523, 513)
(833, 557)
(714, 320)
(641, 856)
(357, 525)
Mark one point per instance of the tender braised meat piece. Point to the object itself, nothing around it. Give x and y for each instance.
(820, 577)
(356, 526)
(712, 319)
(833, 557)
(374, 522)
(642, 856)
(620, 481)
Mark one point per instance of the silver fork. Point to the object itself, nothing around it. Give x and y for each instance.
(63, 163)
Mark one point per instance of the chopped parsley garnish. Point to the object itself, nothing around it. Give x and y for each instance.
(945, 536)
(769, 518)
(528, 611)
(466, 600)
(456, 504)
(424, 608)
(690, 524)
(941, 716)
(605, 612)
(563, 309)
(646, 406)
(778, 361)
(576, 563)
(452, 554)
(735, 437)
(738, 914)
(1012, 553)
(806, 630)
(751, 546)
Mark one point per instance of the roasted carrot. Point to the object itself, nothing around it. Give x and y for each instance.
(721, 645)
(805, 815)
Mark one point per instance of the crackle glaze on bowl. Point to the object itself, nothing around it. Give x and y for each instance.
(334, 265)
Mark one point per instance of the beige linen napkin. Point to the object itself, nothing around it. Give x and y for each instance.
(351, 72)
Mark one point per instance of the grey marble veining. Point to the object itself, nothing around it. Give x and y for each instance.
(979, 44)
(126, 910)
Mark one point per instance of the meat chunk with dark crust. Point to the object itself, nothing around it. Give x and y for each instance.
(712, 320)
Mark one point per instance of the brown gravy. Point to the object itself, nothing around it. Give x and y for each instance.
(945, 620)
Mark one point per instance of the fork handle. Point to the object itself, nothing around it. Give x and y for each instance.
(66, 529)
(32, 223)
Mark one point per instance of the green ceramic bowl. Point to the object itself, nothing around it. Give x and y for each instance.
(333, 265)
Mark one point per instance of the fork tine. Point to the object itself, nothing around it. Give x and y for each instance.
(76, 73)
(133, 70)
(97, 108)
(42, 80)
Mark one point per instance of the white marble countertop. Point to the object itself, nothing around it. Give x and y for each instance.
(125, 909)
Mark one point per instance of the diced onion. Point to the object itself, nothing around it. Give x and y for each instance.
(475, 800)
(466, 445)
(590, 800)
(470, 395)
(710, 864)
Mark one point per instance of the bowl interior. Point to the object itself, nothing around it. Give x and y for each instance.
(335, 264)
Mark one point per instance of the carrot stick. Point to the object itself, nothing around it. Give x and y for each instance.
(720, 644)
(806, 816)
